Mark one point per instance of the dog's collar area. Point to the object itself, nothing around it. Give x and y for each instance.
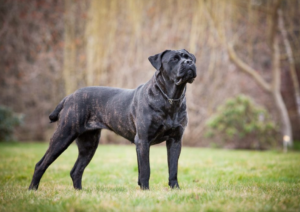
(171, 101)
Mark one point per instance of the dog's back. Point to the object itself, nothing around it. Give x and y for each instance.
(98, 107)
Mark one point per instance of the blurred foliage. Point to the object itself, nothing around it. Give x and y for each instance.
(52, 48)
(243, 124)
(296, 145)
(8, 121)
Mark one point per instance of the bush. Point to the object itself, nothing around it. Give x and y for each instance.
(240, 123)
(8, 121)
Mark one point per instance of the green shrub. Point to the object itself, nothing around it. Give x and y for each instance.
(8, 121)
(240, 123)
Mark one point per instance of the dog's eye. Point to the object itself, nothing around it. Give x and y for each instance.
(185, 56)
(176, 58)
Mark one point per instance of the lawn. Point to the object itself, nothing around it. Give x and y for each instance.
(210, 180)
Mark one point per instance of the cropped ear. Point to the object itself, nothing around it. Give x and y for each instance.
(155, 60)
(192, 56)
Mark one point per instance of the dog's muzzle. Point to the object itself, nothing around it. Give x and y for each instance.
(187, 73)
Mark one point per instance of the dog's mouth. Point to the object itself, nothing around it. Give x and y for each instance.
(179, 81)
(189, 77)
(191, 80)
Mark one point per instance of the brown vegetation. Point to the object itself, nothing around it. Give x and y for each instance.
(51, 48)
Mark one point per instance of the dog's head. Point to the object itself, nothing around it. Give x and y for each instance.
(177, 65)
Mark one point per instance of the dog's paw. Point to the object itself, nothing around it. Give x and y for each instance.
(174, 185)
(144, 186)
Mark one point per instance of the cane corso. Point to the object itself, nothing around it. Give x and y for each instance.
(150, 114)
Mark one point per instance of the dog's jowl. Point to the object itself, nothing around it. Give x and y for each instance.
(150, 114)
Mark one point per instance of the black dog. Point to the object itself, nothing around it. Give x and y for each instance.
(150, 114)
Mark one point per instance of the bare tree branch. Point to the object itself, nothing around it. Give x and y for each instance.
(276, 66)
(246, 68)
(273, 22)
(290, 57)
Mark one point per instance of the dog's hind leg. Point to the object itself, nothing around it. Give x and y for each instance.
(87, 144)
(62, 138)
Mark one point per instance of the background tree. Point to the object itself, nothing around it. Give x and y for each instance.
(51, 48)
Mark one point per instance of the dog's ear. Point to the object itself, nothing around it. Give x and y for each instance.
(192, 56)
(155, 60)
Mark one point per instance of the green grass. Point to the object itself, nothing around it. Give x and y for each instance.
(210, 180)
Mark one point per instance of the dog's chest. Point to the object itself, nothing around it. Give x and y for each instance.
(172, 117)
(170, 122)
(164, 128)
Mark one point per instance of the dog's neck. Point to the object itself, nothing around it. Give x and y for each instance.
(168, 87)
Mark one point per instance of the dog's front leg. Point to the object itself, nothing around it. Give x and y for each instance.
(142, 150)
(174, 149)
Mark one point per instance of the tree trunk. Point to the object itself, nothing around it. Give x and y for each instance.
(96, 31)
(290, 57)
(286, 124)
(69, 48)
(275, 91)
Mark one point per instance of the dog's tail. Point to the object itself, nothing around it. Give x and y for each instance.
(54, 116)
